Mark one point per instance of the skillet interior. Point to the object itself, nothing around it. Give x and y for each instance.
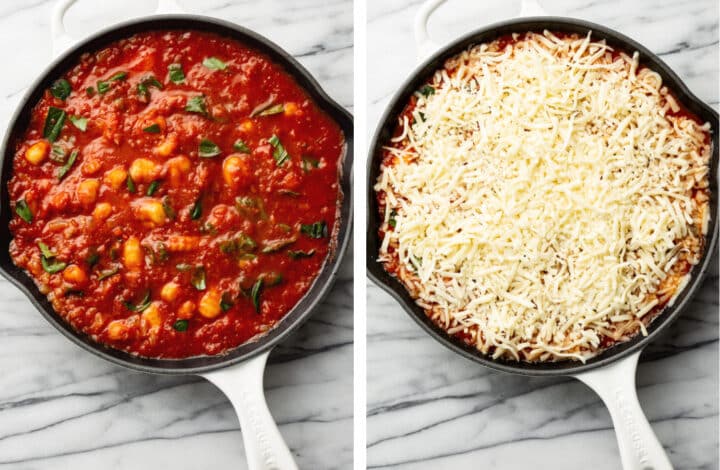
(320, 287)
(387, 125)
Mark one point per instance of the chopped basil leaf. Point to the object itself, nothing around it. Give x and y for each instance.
(196, 211)
(427, 90)
(146, 83)
(90, 91)
(208, 149)
(226, 302)
(238, 245)
(196, 104)
(48, 261)
(152, 129)
(152, 81)
(198, 278)
(74, 292)
(265, 105)
(118, 76)
(279, 154)
(92, 259)
(103, 87)
(251, 206)
(57, 154)
(79, 122)
(142, 305)
(182, 267)
(51, 265)
(169, 211)
(175, 73)
(213, 63)
(22, 209)
(241, 146)
(297, 254)
(61, 89)
(152, 188)
(66, 167)
(275, 109)
(392, 222)
(53, 123)
(130, 184)
(180, 325)
(284, 227)
(45, 250)
(308, 163)
(276, 245)
(316, 230)
(108, 273)
(255, 294)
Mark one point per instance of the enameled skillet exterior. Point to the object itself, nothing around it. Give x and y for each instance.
(387, 124)
(322, 284)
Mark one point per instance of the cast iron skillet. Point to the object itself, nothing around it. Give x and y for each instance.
(255, 350)
(419, 76)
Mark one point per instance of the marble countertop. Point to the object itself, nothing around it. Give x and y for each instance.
(429, 408)
(61, 407)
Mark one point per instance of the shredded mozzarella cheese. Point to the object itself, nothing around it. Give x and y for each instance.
(542, 198)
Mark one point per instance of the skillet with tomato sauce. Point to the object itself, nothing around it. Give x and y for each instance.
(175, 194)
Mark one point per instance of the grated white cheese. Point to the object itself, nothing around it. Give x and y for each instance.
(541, 196)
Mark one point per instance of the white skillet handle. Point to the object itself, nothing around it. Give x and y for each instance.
(426, 46)
(243, 385)
(61, 40)
(639, 447)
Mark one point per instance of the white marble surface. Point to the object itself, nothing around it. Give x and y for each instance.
(61, 408)
(428, 408)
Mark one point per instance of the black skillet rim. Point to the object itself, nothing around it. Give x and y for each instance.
(321, 286)
(386, 124)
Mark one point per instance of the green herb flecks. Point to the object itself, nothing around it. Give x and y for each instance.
(196, 104)
(152, 188)
(427, 90)
(175, 73)
(198, 278)
(274, 109)
(68, 164)
(23, 210)
(241, 146)
(61, 89)
(181, 325)
(255, 294)
(108, 273)
(208, 149)
(196, 210)
(79, 122)
(316, 230)
(140, 306)
(48, 261)
(54, 122)
(167, 207)
(152, 129)
(213, 63)
(279, 154)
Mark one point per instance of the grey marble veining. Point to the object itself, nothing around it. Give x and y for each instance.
(429, 408)
(62, 408)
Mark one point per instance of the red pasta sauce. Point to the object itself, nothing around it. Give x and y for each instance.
(175, 194)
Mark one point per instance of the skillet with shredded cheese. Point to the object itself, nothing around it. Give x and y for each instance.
(544, 197)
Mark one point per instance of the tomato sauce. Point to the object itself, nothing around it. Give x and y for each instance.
(175, 194)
